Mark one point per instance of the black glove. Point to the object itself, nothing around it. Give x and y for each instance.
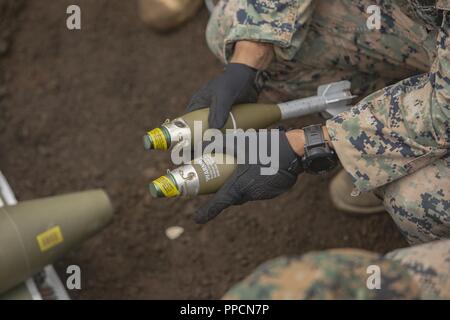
(247, 183)
(235, 85)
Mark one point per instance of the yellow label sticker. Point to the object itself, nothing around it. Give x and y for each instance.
(50, 238)
(167, 187)
(158, 139)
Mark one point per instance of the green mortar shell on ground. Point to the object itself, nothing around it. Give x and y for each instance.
(35, 233)
(19, 292)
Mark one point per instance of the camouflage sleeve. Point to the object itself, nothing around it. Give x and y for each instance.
(400, 129)
(429, 265)
(283, 23)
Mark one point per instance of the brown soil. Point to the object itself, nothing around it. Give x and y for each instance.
(73, 108)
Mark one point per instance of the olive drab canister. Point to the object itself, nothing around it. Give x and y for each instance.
(20, 292)
(35, 233)
(203, 175)
(331, 99)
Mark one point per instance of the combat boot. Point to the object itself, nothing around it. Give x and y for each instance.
(341, 188)
(165, 15)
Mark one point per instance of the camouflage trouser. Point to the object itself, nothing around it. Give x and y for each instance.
(419, 272)
(336, 47)
(420, 203)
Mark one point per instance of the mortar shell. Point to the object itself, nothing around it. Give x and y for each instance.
(35, 233)
(203, 175)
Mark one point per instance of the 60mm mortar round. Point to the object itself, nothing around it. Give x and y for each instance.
(203, 175)
(35, 233)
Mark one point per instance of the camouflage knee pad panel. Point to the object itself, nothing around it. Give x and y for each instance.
(420, 203)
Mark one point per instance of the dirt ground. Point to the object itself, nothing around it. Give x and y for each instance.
(73, 108)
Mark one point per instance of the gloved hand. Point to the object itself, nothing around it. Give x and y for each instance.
(235, 85)
(248, 184)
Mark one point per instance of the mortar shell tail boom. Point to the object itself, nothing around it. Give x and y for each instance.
(333, 98)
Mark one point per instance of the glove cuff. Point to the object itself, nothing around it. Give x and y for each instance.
(257, 77)
(289, 159)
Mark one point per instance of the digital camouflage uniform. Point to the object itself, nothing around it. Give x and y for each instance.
(396, 140)
(421, 272)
